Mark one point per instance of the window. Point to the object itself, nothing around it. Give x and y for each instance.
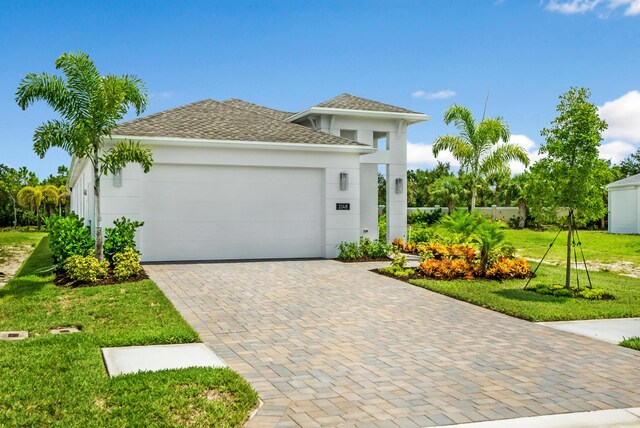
(349, 134)
(381, 140)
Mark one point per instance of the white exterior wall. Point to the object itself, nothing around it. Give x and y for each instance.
(395, 159)
(624, 206)
(130, 201)
(81, 198)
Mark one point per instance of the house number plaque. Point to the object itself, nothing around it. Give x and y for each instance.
(343, 206)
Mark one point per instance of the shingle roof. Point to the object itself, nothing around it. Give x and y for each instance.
(629, 181)
(351, 102)
(212, 120)
(272, 113)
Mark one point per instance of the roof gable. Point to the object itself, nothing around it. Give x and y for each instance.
(629, 181)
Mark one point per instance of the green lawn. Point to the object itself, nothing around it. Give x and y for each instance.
(508, 297)
(633, 343)
(9, 239)
(60, 380)
(597, 245)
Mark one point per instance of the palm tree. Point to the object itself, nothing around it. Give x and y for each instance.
(33, 198)
(489, 236)
(90, 105)
(481, 148)
(516, 190)
(447, 189)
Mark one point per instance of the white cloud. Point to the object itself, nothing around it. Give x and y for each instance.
(570, 7)
(439, 95)
(161, 95)
(420, 155)
(531, 148)
(616, 151)
(623, 117)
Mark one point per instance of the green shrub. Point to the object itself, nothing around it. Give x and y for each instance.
(349, 251)
(399, 260)
(594, 294)
(86, 268)
(117, 239)
(126, 264)
(68, 237)
(563, 292)
(421, 233)
(424, 217)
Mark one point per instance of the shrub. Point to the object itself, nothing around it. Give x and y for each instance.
(375, 249)
(400, 261)
(563, 293)
(505, 268)
(448, 269)
(349, 251)
(117, 239)
(461, 225)
(68, 237)
(424, 216)
(594, 294)
(126, 264)
(86, 268)
(421, 233)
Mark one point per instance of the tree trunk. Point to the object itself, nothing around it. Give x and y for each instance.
(96, 206)
(38, 218)
(603, 224)
(15, 215)
(567, 282)
(450, 206)
(473, 197)
(522, 213)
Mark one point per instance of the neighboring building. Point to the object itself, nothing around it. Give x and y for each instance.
(624, 205)
(235, 180)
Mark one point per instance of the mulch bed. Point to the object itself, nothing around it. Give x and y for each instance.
(419, 275)
(63, 280)
(366, 259)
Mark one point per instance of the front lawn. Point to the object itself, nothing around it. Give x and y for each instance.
(508, 296)
(61, 380)
(597, 245)
(12, 241)
(633, 343)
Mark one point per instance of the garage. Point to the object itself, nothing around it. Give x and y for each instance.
(206, 212)
(624, 205)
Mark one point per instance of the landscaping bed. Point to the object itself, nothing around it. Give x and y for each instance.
(60, 380)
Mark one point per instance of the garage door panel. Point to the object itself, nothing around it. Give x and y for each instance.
(215, 212)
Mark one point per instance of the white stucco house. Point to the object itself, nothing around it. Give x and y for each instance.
(624, 205)
(235, 180)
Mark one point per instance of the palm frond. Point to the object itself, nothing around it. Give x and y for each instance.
(123, 153)
(456, 145)
(51, 89)
(463, 120)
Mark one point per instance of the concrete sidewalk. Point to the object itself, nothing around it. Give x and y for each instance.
(609, 330)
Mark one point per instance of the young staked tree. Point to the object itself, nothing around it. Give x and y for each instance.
(481, 148)
(90, 106)
(571, 176)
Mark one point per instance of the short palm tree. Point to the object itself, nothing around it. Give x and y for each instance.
(90, 106)
(516, 190)
(34, 197)
(489, 236)
(481, 148)
(448, 190)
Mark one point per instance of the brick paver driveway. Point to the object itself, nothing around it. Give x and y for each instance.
(331, 344)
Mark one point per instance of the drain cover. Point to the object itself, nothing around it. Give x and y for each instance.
(64, 330)
(13, 335)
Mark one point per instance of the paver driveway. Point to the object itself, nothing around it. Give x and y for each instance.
(331, 344)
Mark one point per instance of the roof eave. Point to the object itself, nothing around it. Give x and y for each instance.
(409, 117)
(196, 142)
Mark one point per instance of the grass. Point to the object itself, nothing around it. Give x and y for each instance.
(633, 343)
(60, 380)
(597, 245)
(509, 297)
(9, 239)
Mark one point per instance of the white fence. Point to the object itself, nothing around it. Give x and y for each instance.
(493, 212)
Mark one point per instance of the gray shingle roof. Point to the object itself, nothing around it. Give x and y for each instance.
(351, 102)
(212, 120)
(629, 181)
(272, 113)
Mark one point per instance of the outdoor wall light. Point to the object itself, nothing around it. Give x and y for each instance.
(344, 181)
(117, 178)
(399, 185)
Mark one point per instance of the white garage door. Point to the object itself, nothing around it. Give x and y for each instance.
(230, 212)
(624, 211)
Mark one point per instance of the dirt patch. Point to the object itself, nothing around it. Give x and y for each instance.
(63, 280)
(629, 269)
(11, 258)
(215, 395)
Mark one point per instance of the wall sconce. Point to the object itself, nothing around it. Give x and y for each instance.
(399, 185)
(117, 178)
(344, 181)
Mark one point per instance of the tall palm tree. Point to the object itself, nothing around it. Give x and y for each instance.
(481, 148)
(34, 197)
(90, 106)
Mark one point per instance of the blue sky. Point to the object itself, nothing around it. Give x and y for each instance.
(422, 55)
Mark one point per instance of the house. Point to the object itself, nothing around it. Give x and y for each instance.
(235, 180)
(624, 205)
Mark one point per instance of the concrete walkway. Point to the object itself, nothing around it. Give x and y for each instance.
(611, 330)
(332, 344)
